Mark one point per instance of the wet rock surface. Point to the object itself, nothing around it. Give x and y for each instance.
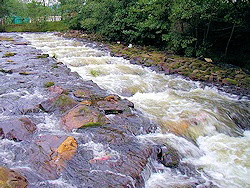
(92, 142)
(17, 129)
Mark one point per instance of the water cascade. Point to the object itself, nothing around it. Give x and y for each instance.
(201, 123)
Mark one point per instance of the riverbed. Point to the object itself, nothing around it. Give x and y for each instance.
(207, 128)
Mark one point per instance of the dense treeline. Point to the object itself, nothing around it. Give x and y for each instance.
(215, 28)
(219, 29)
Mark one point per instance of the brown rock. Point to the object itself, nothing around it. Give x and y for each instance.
(113, 104)
(82, 115)
(11, 179)
(67, 149)
(17, 129)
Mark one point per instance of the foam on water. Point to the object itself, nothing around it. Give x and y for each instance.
(7, 154)
(169, 180)
(226, 159)
(100, 151)
(50, 123)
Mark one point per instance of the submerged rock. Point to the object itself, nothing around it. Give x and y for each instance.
(11, 179)
(17, 129)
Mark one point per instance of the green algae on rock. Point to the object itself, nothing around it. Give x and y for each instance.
(42, 56)
(91, 124)
(49, 84)
(9, 54)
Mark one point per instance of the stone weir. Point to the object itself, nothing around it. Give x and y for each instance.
(91, 141)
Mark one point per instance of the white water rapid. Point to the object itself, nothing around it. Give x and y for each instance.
(199, 122)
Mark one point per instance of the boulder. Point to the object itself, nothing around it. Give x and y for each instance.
(81, 116)
(11, 179)
(167, 156)
(59, 104)
(17, 129)
(113, 104)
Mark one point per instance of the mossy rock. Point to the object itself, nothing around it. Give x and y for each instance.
(64, 100)
(42, 56)
(231, 81)
(240, 76)
(48, 84)
(9, 54)
(59, 104)
(246, 82)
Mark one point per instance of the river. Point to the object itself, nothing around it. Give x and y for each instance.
(203, 124)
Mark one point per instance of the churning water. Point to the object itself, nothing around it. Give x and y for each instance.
(201, 123)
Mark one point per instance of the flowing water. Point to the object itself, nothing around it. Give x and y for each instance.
(203, 124)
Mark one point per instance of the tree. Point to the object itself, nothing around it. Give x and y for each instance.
(38, 12)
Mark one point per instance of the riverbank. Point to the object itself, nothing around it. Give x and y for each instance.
(225, 77)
